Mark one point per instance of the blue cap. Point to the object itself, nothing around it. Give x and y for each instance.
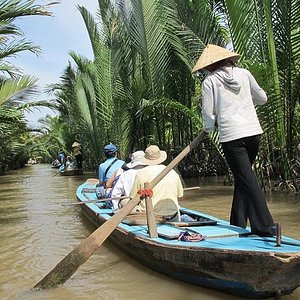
(110, 148)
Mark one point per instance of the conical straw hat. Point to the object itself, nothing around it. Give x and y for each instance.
(211, 54)
(75, 144)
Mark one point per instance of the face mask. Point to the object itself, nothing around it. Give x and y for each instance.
(201, 74)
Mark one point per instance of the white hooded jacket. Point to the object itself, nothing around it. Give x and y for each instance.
(229, 98)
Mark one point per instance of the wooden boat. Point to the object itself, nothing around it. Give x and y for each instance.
(55, 166)
(71, 172)
(229, 259)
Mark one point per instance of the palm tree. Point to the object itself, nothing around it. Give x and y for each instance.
(14, 88)
(139, 89)
(267, 35)
(91, 109)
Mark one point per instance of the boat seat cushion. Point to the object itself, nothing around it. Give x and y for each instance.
(215, 231)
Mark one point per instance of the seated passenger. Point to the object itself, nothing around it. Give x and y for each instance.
(166, 193)
(56, 163)
(111, 163)
(107, 168)
(116, 174)
(124, 183)
(69, 163)
(61, 157)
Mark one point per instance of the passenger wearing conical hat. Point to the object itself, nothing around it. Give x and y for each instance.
(229, 97)
(75, 144)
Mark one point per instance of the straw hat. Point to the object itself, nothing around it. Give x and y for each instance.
(136, 159)
(75, 144)
(212, 54)
(153, 156)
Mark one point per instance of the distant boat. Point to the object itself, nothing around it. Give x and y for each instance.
(230, 259)
(71, 172)
(55, 164)
(32, 161)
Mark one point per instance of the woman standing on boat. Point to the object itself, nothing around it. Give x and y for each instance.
(229, 96)
(77, 153)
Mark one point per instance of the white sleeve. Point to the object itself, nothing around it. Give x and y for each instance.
(118, 190)
(208, 110)
(135, 186)
(258, 95)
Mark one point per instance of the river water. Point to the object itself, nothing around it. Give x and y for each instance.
(37, 231)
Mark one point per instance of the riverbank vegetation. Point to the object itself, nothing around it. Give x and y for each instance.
(138, 89)
(15, 88)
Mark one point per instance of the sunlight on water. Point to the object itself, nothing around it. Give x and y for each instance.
(37, 232)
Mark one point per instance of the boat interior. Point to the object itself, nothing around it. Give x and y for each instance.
(218, 233)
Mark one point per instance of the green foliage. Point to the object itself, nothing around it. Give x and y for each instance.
(266, 34)
(138, 89)
(14, 88)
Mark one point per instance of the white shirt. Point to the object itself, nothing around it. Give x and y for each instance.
(229, 98)
(124, 184)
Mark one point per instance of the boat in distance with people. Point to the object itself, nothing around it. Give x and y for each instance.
(71, 172)
(207, 251)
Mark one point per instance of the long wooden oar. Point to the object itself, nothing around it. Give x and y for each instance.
(68, 266)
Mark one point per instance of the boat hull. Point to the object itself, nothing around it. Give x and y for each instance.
(252, 274)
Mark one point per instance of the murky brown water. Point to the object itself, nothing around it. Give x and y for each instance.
(37, 232)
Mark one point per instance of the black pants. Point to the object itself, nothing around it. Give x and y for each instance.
(78, 158)
(248, 199)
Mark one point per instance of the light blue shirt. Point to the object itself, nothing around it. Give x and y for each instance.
(102, 168)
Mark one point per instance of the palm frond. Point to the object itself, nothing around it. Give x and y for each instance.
(14, 89)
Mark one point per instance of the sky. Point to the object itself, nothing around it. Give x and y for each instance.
(57, 36)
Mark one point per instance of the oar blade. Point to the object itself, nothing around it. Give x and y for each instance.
(69, 265)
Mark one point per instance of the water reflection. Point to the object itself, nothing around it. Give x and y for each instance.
(37, 232)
